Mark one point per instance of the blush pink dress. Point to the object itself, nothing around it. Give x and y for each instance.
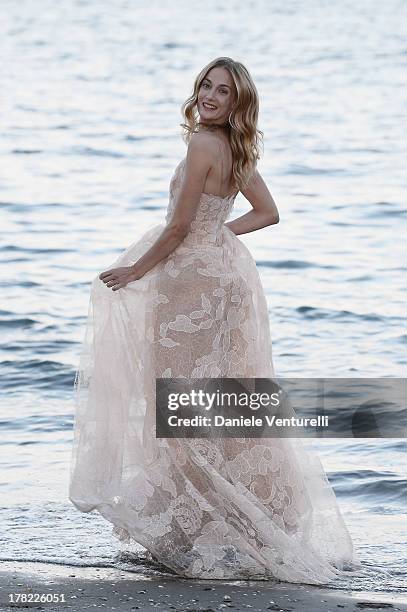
(235, 508)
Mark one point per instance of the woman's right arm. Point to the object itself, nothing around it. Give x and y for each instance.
(199, 158)
(264, 211)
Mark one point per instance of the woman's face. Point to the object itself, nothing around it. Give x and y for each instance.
(217, 90)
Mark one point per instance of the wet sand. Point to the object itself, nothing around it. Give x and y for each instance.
(114, 589)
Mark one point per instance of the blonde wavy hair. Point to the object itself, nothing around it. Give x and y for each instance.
(244, 136)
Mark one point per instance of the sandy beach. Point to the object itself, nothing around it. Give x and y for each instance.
(111, 589)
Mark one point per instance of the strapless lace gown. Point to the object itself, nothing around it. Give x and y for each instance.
(222, 508)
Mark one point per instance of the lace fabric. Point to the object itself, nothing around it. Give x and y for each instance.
(205, 508)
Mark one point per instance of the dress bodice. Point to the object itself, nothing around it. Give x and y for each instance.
(211, 214)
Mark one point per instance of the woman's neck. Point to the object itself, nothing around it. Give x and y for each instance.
(215, 127)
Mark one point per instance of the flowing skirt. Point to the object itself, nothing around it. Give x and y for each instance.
(230, 508)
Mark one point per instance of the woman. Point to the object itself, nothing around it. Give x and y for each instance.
(186, 300)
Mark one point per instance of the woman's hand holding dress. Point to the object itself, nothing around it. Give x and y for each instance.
(116, 278)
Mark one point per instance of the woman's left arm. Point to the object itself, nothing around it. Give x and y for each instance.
(264, 211)
(199, 159)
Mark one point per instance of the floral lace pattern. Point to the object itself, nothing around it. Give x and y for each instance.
(219, 296)
(206, 508)
(211, 214)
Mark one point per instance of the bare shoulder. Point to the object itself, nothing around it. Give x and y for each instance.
(202, 144)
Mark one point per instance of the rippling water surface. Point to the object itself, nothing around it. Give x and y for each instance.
(91, 112)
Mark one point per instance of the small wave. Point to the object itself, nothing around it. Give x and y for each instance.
(360, 279)
(36, 373)
(50, 561)
(291, 264)
(13, 248)
(308, 171)
(26, 151)
(384, 209)
(20, 322)
(27, 284)
(39, 423)
(310, 312)
(17, 207)
(131, 138)
(97, 152)
(379, 488)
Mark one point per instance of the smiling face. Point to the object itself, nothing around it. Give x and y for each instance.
(216, 96)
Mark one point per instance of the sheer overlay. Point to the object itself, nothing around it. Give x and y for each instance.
(206, 508)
